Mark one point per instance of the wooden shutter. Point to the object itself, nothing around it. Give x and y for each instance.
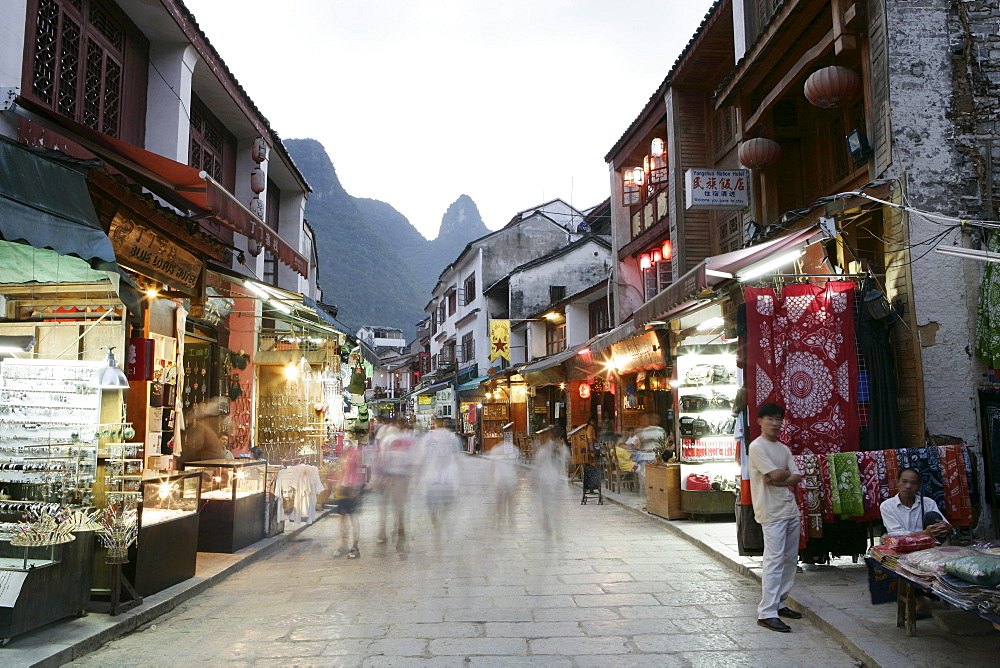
(881, 123)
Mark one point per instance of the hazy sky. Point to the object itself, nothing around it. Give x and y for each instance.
(512, 102)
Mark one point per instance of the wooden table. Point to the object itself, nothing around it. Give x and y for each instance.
(906, 599)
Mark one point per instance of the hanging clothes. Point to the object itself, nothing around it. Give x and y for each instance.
(884, 430)
(847, 481)
(297, 488)
(801, 354)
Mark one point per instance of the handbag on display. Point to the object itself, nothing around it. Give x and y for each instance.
(694, 403)
(687, 426)
(720, 401)
(722, 375)
(698, 482)
(699, 428)
(699, 374)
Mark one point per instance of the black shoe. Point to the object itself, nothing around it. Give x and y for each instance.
(774, 624)
(789, 613)
(354, 553)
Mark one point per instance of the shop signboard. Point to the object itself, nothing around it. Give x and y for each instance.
(153, 254)
(712, 189)
(424, 400)
(638, 352)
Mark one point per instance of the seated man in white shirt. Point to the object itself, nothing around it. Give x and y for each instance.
(911, 512)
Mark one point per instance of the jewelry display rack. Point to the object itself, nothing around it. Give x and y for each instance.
(50, 424)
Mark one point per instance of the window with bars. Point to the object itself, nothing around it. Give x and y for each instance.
(77, 65)
(270, 269)
(468, 348)
(555, 338)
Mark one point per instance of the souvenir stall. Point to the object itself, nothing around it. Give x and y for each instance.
(802, 353)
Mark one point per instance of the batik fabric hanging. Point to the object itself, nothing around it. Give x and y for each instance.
(801, 354)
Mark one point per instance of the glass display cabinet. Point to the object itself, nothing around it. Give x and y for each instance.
(166, 551)
(57, 576)
(232, 503)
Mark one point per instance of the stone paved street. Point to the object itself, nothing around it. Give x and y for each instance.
(612, 589)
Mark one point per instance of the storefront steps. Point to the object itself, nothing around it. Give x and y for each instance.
(836, 599)
(68, 639)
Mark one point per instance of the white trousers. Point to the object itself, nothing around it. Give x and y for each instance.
(781, 555)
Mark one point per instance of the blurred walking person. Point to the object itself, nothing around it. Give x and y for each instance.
(504, 480)
(549, 478)
(347, 493)
(441, 448)
(396, 466)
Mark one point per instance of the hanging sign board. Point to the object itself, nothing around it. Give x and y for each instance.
(716, 189)
(153, 254)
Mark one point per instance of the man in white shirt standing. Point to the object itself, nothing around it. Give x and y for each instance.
(772, 475)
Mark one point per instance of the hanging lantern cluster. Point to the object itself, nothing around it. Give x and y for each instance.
(258, 179)
(652, 173)
(759, 153)
(658, 254)
(833, 86)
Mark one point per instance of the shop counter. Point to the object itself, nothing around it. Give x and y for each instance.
(166, 552)
(56, 583)
(706, 504)
(232, 503)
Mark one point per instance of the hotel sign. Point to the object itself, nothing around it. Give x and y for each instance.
(716, 189)
(154, 255)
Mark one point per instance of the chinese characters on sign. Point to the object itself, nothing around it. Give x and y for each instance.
(717, 188)
(154, 255)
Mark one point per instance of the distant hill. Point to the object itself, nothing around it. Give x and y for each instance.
(373, 263)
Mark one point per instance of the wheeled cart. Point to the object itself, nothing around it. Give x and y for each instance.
(592, 485)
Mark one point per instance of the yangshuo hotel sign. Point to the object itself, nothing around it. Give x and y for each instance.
(153, 254)
(716, 188)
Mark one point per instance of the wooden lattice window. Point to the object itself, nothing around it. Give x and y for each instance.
(729, 234)
(77, 66)
(208, 142)
(469, 290)
(723, 128)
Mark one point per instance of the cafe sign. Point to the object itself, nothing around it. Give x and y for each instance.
(716, 189)
(153, 254)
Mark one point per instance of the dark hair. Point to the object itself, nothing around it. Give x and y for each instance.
(902, 471)
(770, 410)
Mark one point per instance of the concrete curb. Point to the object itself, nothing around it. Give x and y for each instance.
(858, 641)
(75, 643)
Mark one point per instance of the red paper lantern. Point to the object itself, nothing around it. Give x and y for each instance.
(832, 86)
(668, 251)
(584, 391)
(258, 181)
(759, 153)
(645, 261)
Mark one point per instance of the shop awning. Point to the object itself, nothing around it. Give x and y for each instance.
(186, 188)
(604, 341)
(643, 351)
(549, 371)
(436, 387)
(713, 271)
(473, 386)
(46, 204)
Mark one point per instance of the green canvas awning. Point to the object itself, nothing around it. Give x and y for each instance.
(46, 204)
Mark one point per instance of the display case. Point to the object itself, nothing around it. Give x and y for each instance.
(50, 423)
(166, 551)
(705, 396)
(58, 577)
(232, 503)
(492, 420)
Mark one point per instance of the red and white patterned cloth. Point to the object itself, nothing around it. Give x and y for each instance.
(801, 355)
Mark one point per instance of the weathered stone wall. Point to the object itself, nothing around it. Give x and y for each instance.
(934, 126)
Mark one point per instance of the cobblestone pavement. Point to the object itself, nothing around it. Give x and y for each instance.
(611, 589)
